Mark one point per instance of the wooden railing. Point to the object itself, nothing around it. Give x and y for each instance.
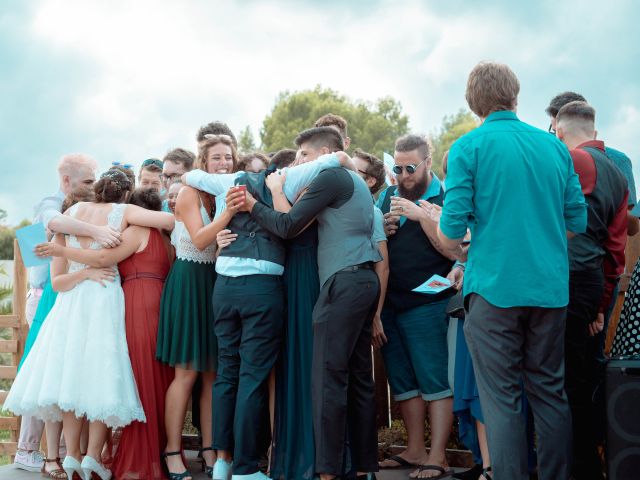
(17, 323)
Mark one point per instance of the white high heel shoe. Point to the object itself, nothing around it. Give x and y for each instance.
(90, 465)
(71, 466)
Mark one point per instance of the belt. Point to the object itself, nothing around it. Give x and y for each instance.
(355, 268)
(147, 275)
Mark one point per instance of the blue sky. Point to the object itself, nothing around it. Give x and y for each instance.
(126, 81)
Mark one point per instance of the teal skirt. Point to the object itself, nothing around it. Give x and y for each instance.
(45, 305)
(185, 331)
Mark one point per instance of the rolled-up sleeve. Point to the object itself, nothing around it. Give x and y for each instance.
(47, 210)
(458, 199)
(213, 183)
(575, 207)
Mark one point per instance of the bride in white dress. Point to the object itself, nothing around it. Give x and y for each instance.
(79, 365)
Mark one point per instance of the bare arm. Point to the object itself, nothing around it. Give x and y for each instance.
(402, 206)
(104, 235)
(378, 338)
(135, 215)
(62, 281)
(188, 210)
(132, 239)
(275, 183)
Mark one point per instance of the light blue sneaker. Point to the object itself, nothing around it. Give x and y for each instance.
(222, 470)
(253, 476)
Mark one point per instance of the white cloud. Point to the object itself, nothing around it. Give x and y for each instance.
(160, 68)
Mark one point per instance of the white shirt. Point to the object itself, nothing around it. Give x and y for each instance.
(297, 179)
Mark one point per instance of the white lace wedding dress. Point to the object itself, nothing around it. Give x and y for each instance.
(80, 360)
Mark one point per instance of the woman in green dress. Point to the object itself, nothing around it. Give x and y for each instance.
(186, 339)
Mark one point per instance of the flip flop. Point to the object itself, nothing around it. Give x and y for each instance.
(443, 472)
(402, 463)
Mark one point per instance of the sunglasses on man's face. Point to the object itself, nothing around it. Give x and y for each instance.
(410, 169)
(128, 166)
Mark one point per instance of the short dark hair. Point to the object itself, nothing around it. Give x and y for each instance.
(375, 168)
(321, 137)
(491, 87)
(147, 198)
(247, 158)
(180, 156)
(215, 128)
(576, 116)
(332, 120)
(561, 100)
(284, 158)
(411, 142)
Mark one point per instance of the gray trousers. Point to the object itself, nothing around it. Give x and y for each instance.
(514, 349)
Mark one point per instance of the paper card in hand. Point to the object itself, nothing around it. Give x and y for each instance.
(435, 284)
(28, 238)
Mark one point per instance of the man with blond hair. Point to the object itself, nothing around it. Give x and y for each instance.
(515, 187)
(77, 173)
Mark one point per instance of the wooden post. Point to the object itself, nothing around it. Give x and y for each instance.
(19, 300)
(382, 391)
(632, 253)
(17, 323)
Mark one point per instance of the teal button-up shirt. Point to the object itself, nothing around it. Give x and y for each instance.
(514, 186)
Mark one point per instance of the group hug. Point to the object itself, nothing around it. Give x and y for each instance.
(256, 285)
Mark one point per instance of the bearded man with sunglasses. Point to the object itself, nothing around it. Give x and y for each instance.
(416, 355)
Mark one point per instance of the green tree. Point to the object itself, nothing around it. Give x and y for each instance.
(7, 236)
(453, 127)
(246, 143)
(373, 127)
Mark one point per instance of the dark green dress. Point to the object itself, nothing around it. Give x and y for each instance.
(294, 449)
(185, 330)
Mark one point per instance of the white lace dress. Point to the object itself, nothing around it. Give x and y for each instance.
(80, 360)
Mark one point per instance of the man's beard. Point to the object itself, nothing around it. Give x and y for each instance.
(415, 192)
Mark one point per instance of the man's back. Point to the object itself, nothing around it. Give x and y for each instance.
(525, 196)
(345, 227)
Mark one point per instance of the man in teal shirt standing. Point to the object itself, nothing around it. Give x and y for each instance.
(515, 188)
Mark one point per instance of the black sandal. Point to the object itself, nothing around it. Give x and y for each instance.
(58, 473)
(176, 476)
(485, 473)
(208, 470)
(401, 463)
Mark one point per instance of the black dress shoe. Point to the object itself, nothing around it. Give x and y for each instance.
(472, 474)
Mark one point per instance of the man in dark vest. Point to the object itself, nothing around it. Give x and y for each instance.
(248, 309)
(342, 381)
(416, 355)
(596, 260)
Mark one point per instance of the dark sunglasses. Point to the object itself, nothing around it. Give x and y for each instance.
(151, 161)
(128, 166)
(410, 169)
